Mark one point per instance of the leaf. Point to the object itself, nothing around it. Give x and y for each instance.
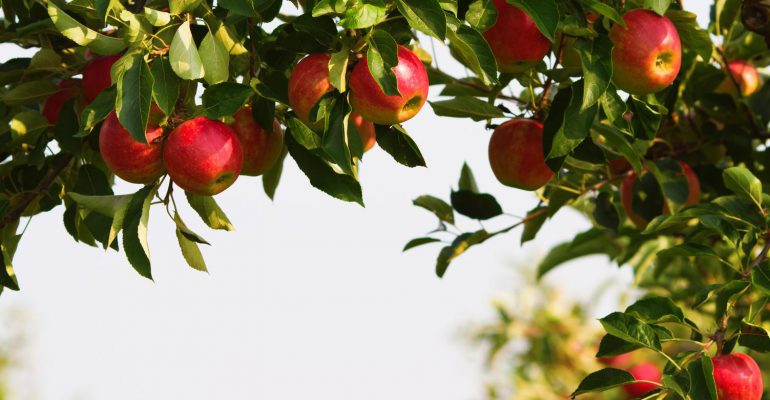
(631, 329)
(598, 244)
(272, 177)
(335, 141)
(612, 346)
(180, 6)
(659, 6)
(744, 184)
(602, 380)
(209, 211)
(135, 231)
(692, 36)
(189, 246)
(425, 16)
(82, 35)
(419, 242)
(467, 180)
(472, 49)
(533, 223)
(225, 99)
(595, 58)
(605, 10)
(97, 111)
(102, 6)
(362, 15)
(576, 127)
(156, 17)
(165, 88)
(29, 92)
(545, 13)
(702, 386)
(481, 14)
(466, 107)
(760, 277)
(754, 337)
(381, 58)
(338, 68)
(322, 176)
(439, 207)
(134, 95)
(618, 141)
(481, 206)
(459, 246)
(653, 310)
(183, 55)
(215, 59)
(396, 142)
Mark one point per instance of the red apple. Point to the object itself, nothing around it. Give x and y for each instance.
(619, 361)
(365, 130)
(515, 40)
(737, 377)
(647, 54)
(69, 88)
(516, 155)
(261, 149)
(643, 372)
(745, 74)
(203, 156)
(133, 161)
(373, 104)
(96, 76)
(627, 194)
(309, 81)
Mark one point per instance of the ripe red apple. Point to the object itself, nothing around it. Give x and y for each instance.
(515, 40)
(643, 372)
(309, 81)
(745, 74)
(619, 361)
(203, 156)
(96, 76)
(261, 149)
(69, 88)
(365, 130)
(133, 161)
(373, 104)
(627, 194)
(516, 155)
(737, 377)
(647, 54)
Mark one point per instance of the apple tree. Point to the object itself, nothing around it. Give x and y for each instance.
(625, 110)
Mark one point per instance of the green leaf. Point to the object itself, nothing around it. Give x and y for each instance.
(323, 176)
(425, 16)
(597, 244)
(472, 50)
(760, 277)
(184, 57)
(595, 57)
(97, 111)
(29, 92)
(631, 329)
(702, 386)
(215, 59)
(188, 243)
(605, 10)
(180, 6)
(612, 346)
(272, 177)
(209, 211)
(419, 242)
(481, 206)
(533, 223)
(617, 140)
(364, 14)
(156, 17)
(110, 206)
(134, 95)
(338, 69)
(577, 124)
(654, 310)
(336, 140)
(225, 99)
(545, 13)
(466, 107)
(692, 36)
(135, 231)
(439, 207)
(381, 58)
(165, 88)
(82, 35)
(66, 129)
(602, 380)
(754, 337)
(459, 246)
(744, 184)
(481, 14)
(396, 142)
(102, 6)
(248, 8)
(467, 181)
(659, 6)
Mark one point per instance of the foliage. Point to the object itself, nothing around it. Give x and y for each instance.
(703, 259)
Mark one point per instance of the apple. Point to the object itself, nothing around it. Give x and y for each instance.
(745, 74)
(618, 361)
(627, 194)
(647, 53)
(203, 156)
(132, 161)
(516, 155)
(69, 88)
(96, 76)
(373, 104)
(515, 40)
(643, 372)
(365, 130)
(737, 377)
(261, 149)
(309, 81)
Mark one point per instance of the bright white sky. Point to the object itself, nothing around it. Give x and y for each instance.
(309, 298)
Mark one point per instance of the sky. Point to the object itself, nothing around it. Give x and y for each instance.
(310, 297)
